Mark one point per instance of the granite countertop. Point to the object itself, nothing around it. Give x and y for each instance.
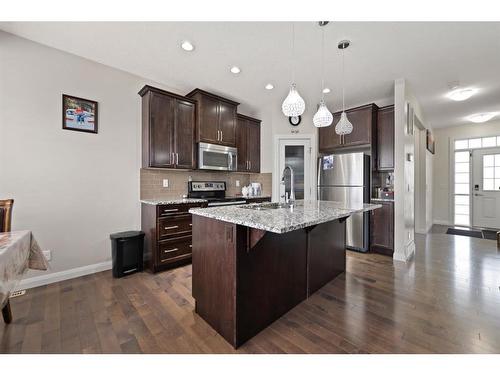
(282, 220)
(155, 202)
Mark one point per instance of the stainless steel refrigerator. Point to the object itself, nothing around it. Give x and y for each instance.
(346, 178)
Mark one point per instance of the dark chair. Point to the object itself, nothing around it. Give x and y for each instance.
(5, 226)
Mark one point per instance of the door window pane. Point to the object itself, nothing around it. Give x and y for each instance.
(497, 184)
(461, 210)
(462, 144)
(475, 143)
(488, 160)
(488, 172)
(461, 188)
(462, 200)
(489, 142)
(462, 167)
(488, 184)
(462, 178)
(294, 157)
(462, 156)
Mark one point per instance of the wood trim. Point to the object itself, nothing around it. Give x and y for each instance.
(214, 96)
(245, 117)
(148, 88)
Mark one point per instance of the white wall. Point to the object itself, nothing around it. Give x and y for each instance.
(445, 137)
(72, 189)
(408, 189)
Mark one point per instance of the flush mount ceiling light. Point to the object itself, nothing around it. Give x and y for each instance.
(269, 86)
(323, 117)
(235, 70)
(293, 105)
(461, 94)
(482, 117)
(326, 90)
(187, 46)
(344, 126)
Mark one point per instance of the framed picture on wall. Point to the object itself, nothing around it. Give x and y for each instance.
(79, 114)
(430, 142)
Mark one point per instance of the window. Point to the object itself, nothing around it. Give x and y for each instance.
(462, 188)
(491, 172)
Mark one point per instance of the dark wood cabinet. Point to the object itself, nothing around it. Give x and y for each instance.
(364, 121)
(168, 230)
(382, 228)
(248, 144)
(385, 138)
(215, 119)
(168, 129)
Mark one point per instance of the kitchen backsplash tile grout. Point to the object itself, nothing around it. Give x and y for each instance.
(151, 182)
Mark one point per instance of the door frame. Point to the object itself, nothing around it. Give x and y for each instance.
(277, 173)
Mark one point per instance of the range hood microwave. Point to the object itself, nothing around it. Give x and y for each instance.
(216, 157)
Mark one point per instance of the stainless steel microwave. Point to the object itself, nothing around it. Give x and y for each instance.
(216, 157)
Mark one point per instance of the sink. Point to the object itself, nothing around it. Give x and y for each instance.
(265, 206)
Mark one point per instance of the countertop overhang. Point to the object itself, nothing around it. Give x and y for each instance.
(283, 220)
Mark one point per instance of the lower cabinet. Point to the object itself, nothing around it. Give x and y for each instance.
(168, 231)
(382, 228)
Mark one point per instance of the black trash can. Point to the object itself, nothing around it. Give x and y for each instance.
(126, 250)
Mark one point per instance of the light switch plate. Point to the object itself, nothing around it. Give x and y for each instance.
(47, 254)
(237, 183)
(165, 182)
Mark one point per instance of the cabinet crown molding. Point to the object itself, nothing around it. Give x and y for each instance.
(148, 88)
(215, 96)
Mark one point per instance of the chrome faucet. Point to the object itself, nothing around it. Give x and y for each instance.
(289, 199)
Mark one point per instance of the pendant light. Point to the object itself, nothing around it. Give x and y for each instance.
(344, 126)
(293, 105)
(323, 117)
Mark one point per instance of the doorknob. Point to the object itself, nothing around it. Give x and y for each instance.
(478, 195)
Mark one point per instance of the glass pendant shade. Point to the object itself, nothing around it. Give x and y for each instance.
(323, 116)
(293, 105)
(344, 126)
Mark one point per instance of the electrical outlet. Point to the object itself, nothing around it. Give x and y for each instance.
(47, 254)
(165, 182)
(237, 183)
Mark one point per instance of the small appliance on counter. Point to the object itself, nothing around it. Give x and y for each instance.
(384, 193)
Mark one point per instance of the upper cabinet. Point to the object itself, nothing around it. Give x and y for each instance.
(248, 144)
(385, 138)
(364, 121)
(215, 118)
(168, 129)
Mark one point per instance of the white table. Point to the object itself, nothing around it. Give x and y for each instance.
(18, 252)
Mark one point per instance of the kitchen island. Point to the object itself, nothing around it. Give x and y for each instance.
(253, 263)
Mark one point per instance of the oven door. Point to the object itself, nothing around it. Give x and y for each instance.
(215, 157)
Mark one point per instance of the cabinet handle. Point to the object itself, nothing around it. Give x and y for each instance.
(171, 210)
(190, 225)
(172, 227)
(218, 135)
(176, 158)
(249, 164)
(169, 251)
(221, 135)
(190, 245)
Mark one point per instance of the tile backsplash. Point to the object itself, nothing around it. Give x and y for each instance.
(152, 182)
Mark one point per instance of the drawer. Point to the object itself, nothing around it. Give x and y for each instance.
(175, 249)
(167, 210)
(174, 226)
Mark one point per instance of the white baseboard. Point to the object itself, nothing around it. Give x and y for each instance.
(406, 254)
(50, 278)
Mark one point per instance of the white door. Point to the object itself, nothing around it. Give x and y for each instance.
(295, 153)
(486, 188)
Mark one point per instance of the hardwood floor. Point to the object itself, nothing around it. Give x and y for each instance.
(447, 300)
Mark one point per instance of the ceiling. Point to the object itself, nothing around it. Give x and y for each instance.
(428, 55)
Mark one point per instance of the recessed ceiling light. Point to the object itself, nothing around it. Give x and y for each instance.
(187, 46)
(482, 117)
(269, 86)
(460, 94)
(235, 70)
(326, 90)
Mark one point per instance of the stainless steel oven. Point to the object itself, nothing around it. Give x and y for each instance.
(216, 157)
